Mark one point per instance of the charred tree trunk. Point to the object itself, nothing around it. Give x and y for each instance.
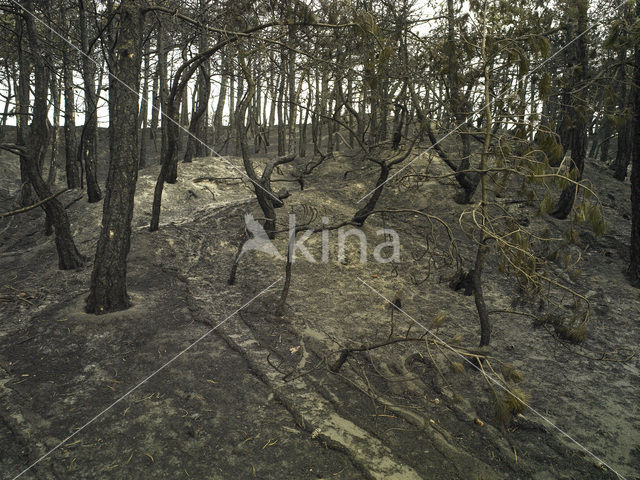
(578, 127)
(27, 195)
(53, 162)
(467, 181)
(262, 189)
(89, 139)
(361, 215)
(144, 110)
(634, 265)
(281, 120)
(623, 155)
(70, 143)
(7, 103)
(68, 255)
(108, 291)
(481, 253)
(156, 107)
(217, 117)
(606, 139)
(204, 90)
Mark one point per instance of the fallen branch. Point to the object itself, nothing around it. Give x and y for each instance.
(13, 148)
(31, 207)
(213, 179)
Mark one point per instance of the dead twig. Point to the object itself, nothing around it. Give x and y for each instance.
(31, 207)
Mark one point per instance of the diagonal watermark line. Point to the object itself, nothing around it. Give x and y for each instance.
(139, 95)
(496, 382)
(139, 384)
(478, 110)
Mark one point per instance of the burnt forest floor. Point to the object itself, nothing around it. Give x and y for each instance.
(255, 397)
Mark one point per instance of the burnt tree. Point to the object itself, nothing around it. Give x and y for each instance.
(634, 265)
(36, 147)
(577, 129)
(108, 291)
(88, 148)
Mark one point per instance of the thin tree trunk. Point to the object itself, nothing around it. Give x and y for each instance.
(481, 253)
(70, 143)
(27, 195)
(156, 106)
(89, 140)
(623, 155)
(292, 97)
(53, 162)
(303, 129)
(7, 103)
(201, 105)
(281, 119)
(169, 112)
(634, 264)
(204, 89)
(222, 95)
(144, 109)
(606, 139)
(467, 181)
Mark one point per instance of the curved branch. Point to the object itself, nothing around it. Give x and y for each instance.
(31, 207)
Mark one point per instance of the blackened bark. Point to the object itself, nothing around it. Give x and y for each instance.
(634, 265)
(27, 195)
(144, 110)
(261, 186)
(70, 143)
(53, 163)
(155, 104)
(222, 95)
(170, 122)
(7, 103)
(281, 119)
(578, 65)
(468, 181)
(68, 255)
(481, 306)
(606, 139)
(169, 165)
(578, 153)
(623, 155)
(89, 138)
(361, 215)
(108, 291)
(204, 89)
